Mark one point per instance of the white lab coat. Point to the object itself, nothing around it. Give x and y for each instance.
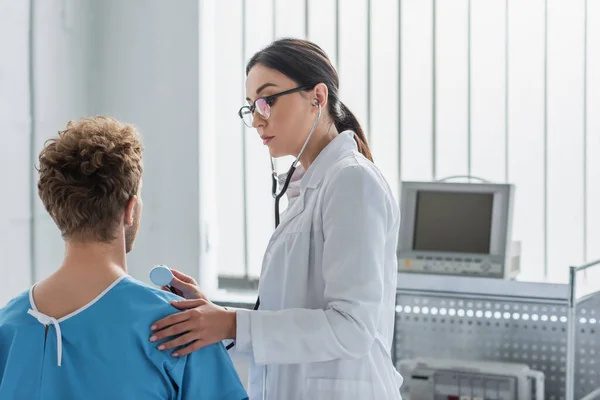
(327, 287)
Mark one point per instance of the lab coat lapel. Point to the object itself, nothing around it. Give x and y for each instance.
(294, 209)
(314, 176)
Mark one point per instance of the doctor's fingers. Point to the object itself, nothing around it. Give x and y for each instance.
(170, 320)
(180, 341)
(183, 277)
(189, 304)
(173, 330)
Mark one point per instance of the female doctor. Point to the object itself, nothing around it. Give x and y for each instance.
(323, 325)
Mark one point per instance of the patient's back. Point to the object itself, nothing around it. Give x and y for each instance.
(106, 352)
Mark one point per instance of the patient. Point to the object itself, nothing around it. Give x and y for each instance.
(82, 332)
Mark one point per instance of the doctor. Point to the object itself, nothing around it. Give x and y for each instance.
(323, 326)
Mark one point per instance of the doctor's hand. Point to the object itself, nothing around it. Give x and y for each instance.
(185, 286)
(201, 324)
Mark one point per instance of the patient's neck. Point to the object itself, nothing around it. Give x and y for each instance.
(87, 270)
(95, 258)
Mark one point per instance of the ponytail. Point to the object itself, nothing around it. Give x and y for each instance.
(345, 120)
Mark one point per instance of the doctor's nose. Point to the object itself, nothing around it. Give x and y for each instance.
(257, 121)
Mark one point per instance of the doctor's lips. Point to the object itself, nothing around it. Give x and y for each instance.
(266, 139)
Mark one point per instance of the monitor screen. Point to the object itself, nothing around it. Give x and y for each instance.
(453, 222)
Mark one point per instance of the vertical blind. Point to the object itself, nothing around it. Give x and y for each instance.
(503, 90)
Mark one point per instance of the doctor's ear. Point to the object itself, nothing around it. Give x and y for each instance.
(320, 94)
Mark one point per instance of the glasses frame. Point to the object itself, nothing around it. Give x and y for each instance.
(269, 100)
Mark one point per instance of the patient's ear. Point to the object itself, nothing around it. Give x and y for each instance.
(128, 218)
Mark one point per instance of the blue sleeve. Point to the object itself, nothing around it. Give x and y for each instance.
(208, 374)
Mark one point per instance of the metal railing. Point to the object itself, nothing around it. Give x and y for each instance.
(572, 316)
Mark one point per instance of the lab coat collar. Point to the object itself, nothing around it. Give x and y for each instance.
(328, 156)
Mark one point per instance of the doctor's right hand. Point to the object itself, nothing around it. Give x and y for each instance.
(185, 286)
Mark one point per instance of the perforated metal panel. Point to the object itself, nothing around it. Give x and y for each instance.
(587, 345)
(486, 320)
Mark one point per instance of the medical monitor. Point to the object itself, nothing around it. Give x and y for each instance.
(456, 229)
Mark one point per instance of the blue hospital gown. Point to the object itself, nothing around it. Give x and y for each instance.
(106, 353)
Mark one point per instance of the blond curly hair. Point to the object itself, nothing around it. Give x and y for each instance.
(88, 174)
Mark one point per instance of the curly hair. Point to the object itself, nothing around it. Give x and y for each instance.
(88, 174)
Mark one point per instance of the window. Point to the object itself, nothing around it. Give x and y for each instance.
(499, 90)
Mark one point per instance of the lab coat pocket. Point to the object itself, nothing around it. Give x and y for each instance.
(337, 389)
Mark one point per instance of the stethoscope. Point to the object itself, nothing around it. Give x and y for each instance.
(277, 196)
(162, 276)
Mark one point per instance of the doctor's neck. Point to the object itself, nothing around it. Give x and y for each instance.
(323, 135)
(96, 259)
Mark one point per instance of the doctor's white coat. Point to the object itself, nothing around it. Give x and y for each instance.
(327, 287)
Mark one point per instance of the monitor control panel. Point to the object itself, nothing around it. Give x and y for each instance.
(471, 266)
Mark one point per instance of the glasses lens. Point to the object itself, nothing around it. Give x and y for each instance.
(246, 115)
(263, 108)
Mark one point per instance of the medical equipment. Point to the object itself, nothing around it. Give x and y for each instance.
(433, 379)
(457, 229)
(487, 319)
(161, 275)
(595, 395)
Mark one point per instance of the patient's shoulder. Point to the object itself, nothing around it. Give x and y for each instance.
(133, 288)
(149, 293)
(16, 310)
(138, 300)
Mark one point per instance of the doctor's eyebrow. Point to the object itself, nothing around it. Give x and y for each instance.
(261, 88)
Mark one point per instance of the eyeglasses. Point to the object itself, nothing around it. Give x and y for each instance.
(262, 105)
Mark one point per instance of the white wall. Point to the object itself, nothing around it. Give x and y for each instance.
(61, 75)
(146, 62)
(14, 153)
(59, 34)
(135, 60)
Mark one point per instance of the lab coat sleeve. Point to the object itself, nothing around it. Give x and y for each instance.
(243, 345)
(355, 216)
